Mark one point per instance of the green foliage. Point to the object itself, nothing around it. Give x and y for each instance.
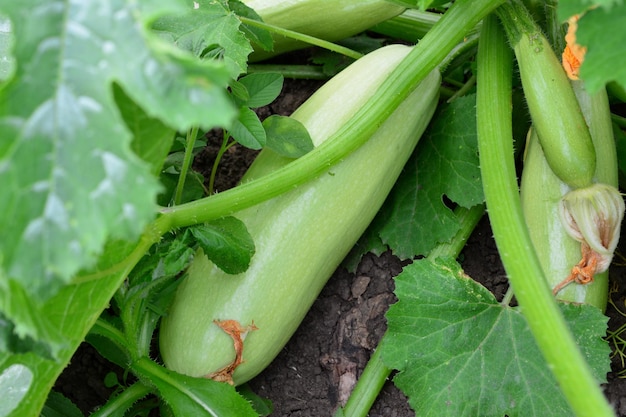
(260, 88)
(569, 8)
(415, 216)
(601, 30)
(86, 185)
(287, 137)
(248, 130)
(93, 101)
(227, 243)
(194, 396)
(462, 353)
(208, 30)
(59, 406)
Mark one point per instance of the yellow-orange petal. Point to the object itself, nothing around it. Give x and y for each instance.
(574, 54)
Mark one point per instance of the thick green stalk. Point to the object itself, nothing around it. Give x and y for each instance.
(425, 57)
(376, 372)
(307, 72)
(119, 404)
(105, 329)
(368, 387)
(182, 178)
(410, 26)
(311, 40)
(504, 207)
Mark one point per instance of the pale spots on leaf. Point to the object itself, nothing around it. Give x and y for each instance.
(75, 248)
(47, 45)
(89, 104)
(78, 30)
(5, 26)
(56, 212)
(129, 211)
(114, 167)
(5, 166)
(108, 47)
(150, 68)
(34, 229)
(58, 173)
(120, 15)
(41, 186)
(65, 129)
(42, 119)
(104, 188)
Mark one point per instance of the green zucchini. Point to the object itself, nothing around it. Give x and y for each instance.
(555, 112)
(301, 236)
(329, 21)
(542, 192)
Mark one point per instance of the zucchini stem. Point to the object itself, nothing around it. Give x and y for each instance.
(119, 404)
(376, 372)
(223, 148)
(312, 40)
(526, 276)
(192, 134)
(307, 72)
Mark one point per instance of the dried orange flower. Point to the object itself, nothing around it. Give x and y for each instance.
(574, 54)
(593, 216)
(238, 333)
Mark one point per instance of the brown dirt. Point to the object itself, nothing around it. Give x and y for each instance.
(316, 369)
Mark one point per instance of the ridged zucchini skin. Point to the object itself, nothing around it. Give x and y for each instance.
(330, 21)
(301, 236)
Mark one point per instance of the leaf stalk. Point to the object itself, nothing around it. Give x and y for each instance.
(504, 207)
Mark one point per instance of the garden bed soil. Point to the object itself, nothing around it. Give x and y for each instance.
(315, 371)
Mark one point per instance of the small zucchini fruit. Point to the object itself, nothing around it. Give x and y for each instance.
(329, 21)
(542, 192)
(301, 236)
(555, 112)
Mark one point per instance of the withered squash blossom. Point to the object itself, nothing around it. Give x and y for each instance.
(574, 54)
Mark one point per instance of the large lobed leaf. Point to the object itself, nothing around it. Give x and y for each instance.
(415, 219)
(461, 353)
(209, 28)
(69, 177)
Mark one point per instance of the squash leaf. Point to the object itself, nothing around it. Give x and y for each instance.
(461, 353)
(208, 29)
(189, 396)
(70, 178)
(415, 218)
